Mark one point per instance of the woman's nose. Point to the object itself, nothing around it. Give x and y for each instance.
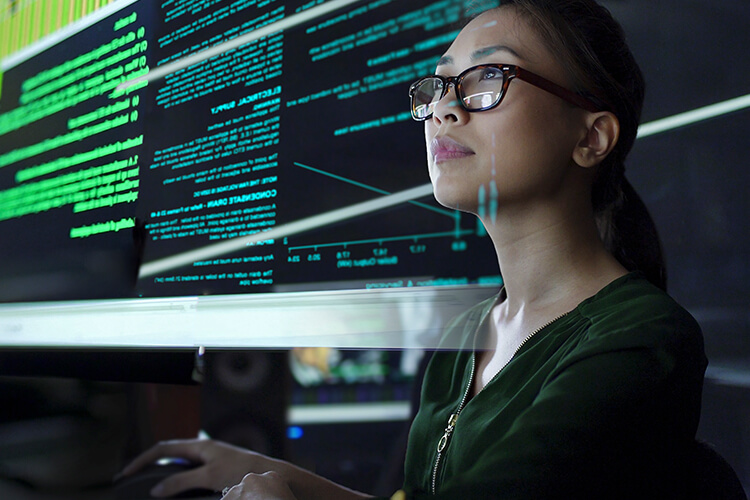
(448, 109)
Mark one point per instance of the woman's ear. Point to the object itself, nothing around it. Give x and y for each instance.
(602, 132)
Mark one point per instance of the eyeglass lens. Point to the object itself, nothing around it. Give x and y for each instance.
(480, 89)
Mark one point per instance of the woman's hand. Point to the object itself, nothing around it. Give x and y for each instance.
(267, 486)
(224, 466)
(221, 465)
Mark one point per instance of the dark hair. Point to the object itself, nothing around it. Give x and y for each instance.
(591, 45)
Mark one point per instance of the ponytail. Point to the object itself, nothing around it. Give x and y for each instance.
(629, 234)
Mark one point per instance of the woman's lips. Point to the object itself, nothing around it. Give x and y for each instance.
(444, 148)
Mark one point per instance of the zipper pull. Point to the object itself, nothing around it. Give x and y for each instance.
(448, 431)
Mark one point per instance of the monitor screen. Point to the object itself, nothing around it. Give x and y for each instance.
(162, 156)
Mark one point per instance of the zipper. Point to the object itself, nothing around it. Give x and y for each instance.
(453, 419)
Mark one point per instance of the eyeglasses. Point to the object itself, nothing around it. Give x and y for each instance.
(483, 87)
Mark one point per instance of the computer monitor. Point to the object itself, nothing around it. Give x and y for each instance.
(226, 174)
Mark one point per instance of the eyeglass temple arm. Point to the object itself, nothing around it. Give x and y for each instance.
(557, 90)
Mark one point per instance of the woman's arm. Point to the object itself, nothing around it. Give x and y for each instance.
(224, 465)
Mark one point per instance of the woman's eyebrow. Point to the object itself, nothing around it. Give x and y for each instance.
(480, 53)
(484, 52)
(445, 60)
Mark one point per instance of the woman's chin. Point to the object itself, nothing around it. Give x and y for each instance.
(455, 199)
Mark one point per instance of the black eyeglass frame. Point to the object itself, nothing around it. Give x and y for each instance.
(510, 71)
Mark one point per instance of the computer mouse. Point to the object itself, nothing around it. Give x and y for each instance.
(138, 486)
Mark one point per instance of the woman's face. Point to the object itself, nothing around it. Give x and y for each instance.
(516, 153)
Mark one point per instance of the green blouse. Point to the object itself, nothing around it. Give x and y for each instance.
(602, 403)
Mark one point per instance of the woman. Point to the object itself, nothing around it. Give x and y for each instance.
(580, 379)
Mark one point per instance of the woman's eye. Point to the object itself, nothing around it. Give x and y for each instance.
(491, 74)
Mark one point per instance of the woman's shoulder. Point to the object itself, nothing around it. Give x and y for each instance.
(633, 306)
